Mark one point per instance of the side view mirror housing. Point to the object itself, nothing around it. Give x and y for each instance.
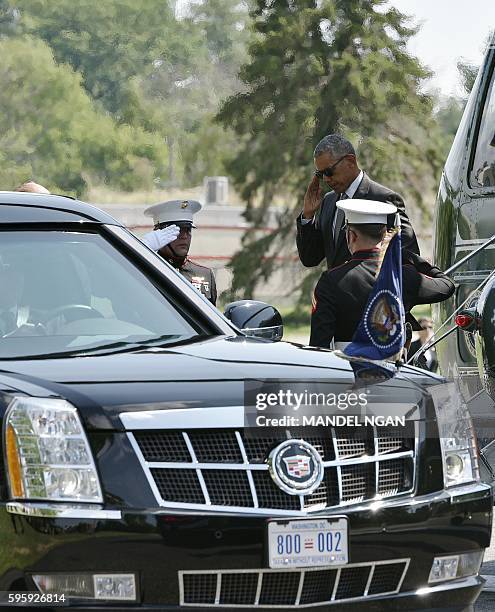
(256, 319)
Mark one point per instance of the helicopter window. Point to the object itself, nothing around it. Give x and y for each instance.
(482, 172)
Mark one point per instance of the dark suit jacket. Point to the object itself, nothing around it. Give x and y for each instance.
(315, 240)
(342, 293)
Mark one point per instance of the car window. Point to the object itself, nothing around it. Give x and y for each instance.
(482, 172)
(65, 290)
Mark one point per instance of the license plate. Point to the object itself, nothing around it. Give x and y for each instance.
(307, 542)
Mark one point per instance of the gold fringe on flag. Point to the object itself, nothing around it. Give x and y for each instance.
(384, 246)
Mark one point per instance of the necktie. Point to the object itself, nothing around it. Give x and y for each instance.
(338, 219)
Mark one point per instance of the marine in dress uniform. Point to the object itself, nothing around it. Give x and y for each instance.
(171, 238)
(341, 294)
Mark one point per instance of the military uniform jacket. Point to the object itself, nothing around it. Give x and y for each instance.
(202, 278)
(341, 294)
(315, 239)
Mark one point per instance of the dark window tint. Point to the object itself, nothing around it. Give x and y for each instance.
(65, 291)
(482, 172)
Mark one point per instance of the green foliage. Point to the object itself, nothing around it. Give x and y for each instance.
(50, 129)
(467, 73)
(448, 116)
(223, 23)
(108, 42)
(318, 67)
(222, 26)
(223, 29)
(8, 19)
(150, 70)
(143, 88)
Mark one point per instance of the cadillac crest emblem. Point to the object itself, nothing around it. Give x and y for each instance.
(296, 467)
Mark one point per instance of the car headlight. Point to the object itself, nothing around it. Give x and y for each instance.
(48, 454)
(457, 436)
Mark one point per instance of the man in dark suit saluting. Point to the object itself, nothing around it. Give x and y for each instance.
(320, 231)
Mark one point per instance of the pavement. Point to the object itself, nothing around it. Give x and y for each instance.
(486, 601)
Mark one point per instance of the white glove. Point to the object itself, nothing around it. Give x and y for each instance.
(157, 239)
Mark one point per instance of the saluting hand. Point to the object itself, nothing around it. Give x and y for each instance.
(157, 239)
(312, 198)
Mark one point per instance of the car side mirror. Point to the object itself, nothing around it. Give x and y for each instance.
(256, 319)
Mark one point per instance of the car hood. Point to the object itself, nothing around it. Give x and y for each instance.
(205, 373)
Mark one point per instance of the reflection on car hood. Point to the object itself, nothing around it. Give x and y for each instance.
(161, 378)
(212, 359)
(218, 358)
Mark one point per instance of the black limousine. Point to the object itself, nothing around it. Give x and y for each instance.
(128, 477)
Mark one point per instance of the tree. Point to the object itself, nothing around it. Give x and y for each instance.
(468, 71)
(8, 19)
(108, 42)
(321, 66)
(136, 60)
(467, 74)
(224, 27)
(448, 116)
(50, 129)
(149, 69)
(224, 24)
(180, 101)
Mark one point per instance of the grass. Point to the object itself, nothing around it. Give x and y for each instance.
(20, 545)
(296, 333)
(422, 311)
(297, 323)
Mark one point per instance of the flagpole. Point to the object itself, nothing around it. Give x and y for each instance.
(399, 354)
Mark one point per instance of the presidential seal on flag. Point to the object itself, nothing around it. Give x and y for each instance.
(381, 331)
(383, 319)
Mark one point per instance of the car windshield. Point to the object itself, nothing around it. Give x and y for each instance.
(69, 292)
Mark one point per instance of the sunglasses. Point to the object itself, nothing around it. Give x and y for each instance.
(183, 229)
(328, 172)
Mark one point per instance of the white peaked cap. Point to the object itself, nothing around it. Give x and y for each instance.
(173, 211)
(360, 212)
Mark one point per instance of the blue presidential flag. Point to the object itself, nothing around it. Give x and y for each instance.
(381, 332)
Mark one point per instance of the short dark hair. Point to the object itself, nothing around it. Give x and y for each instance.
(334, 144)
(374, 231)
